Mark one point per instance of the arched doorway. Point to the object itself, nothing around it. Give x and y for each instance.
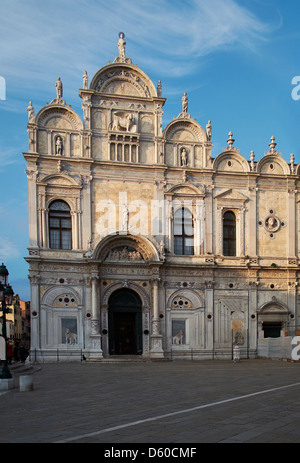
(125, 323)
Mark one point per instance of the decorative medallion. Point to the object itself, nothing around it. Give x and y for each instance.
(271, 223)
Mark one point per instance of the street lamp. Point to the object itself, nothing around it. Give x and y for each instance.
(6, 297)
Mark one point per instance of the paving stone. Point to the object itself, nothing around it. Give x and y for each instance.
(175, 402)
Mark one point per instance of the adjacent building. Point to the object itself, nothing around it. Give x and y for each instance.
(140, 242)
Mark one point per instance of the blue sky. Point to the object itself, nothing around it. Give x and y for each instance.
(236, 60)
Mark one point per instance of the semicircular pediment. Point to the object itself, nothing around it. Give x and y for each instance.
(231, 161)
(59, 179)
(273, 165)
(59, 118)
(196, 301)
(53, 295)
(123, 80)
(184, 130)
(273, 307)
(184, 189)
(126, 248)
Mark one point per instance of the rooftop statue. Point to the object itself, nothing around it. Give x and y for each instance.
(85, 80)
(121, 45)
(31, 114)
(59, 88)
(185, 101)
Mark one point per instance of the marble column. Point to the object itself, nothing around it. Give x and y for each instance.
(156, 350)
(95, 337)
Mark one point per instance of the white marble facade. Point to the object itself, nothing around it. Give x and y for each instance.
(140, 242)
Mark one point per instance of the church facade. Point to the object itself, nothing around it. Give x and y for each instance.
(141, 243)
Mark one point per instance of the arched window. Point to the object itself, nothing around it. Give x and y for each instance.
(183, 232)
(229, 234)
(60, 227)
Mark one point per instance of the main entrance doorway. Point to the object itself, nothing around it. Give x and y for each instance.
(125, 323)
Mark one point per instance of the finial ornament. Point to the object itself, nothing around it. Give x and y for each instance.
(230, 140)
(292, 160)
(252, 157)
(272, 144)
(272, 149)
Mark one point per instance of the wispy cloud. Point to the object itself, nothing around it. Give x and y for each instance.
(40, 42)
(8, 249)
(7, 157)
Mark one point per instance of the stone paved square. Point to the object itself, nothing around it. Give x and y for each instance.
(171, 402)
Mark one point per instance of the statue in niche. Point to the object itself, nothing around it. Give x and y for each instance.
(183, 157)
(59, 88)
(71, 338)
(238, 338)
(178, 337)
(58, 145)
(208, 130)
(85, 80)
(30, 110)
(121, 45)
(185, 103)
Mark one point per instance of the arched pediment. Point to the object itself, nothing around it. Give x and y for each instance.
(59, 179)
(123, 79)
(185, 130)
(273, 164)
(184, 189)
(196, 301)
(59, 117)
(127, 248)
(53, 295)
(273, 308)
(231, 161)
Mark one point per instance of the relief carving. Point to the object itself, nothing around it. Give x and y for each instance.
(71, 338)
(123, 121)
(124, 254)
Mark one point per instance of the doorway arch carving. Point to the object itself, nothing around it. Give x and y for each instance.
(137, 319)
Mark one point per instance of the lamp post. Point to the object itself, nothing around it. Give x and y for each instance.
(6, 297)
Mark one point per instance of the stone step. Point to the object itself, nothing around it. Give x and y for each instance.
(126, 358)
(20, 368)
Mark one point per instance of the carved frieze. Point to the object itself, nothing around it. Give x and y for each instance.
(124, 254)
